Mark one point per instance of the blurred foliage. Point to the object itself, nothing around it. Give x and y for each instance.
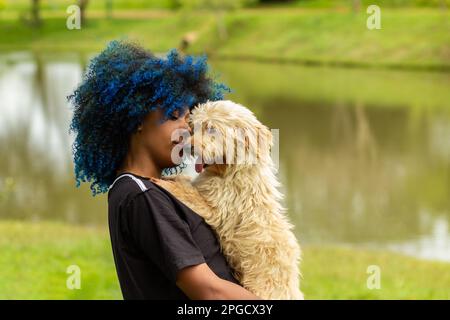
(7, 189)
(381, 3)
(410, 37)
(215, 4)
(175, 4)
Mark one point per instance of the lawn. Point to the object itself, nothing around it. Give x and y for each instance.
(35, 257)
(411, 38)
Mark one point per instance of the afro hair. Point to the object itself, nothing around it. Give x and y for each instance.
(120, 87)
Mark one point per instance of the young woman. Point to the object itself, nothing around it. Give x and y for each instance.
(126, 109)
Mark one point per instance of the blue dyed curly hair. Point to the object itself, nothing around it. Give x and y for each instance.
(120, 87)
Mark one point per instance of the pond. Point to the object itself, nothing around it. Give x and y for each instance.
(364, 153)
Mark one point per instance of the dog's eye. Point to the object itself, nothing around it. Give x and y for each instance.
(210, 130)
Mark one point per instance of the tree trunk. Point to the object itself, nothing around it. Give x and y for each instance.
(356, 4)
(35, 13)
(109, 8)
(83, 4)
(221, 25)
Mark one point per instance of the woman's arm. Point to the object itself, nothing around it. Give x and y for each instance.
(199, 282)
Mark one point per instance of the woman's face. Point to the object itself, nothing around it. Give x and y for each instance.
(156, 137)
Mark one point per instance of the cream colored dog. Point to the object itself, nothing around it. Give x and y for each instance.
(239, 199)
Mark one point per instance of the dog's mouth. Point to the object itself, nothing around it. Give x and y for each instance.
(200, 166)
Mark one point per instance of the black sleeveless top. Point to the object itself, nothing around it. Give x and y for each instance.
(153, 236)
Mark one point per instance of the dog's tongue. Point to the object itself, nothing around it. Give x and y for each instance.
(199, 167)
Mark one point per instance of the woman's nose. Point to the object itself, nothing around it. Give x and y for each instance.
(186, 124)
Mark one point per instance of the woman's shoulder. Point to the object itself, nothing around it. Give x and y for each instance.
(129, 187)
(134, 191)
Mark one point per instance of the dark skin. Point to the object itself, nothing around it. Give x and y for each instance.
(151, 146)
(149, 153)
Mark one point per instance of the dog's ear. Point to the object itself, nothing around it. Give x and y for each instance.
(258, 143)
(265, 137)
(252, 144)
(250, 140)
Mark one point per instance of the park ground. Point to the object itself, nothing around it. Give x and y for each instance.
(35, 257)
(410, 37)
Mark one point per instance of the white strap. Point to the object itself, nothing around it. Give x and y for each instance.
(138, 181)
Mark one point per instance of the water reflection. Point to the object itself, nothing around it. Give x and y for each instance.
(435, 245)
(36, 173)
(356, 169)
(358, 174)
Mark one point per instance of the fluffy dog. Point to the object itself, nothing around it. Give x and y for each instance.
(238, 198)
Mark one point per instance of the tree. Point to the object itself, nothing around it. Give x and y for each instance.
(356, 5)
(2, 5)
(35, 13)
(109, 8)
(83, 4)
(175, 4)
(219, 7)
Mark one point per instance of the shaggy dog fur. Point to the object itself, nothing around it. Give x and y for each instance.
(240, 201)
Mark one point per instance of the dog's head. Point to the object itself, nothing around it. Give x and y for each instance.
(228, 135)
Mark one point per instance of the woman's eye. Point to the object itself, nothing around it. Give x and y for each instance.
(177, 115)
(174, 115)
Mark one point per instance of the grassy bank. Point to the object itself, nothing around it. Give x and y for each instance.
(410, 38)
(35, 257)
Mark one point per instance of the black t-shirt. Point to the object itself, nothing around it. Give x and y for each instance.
(153, 236)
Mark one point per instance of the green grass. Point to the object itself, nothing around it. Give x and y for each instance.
(53, 35)
(341, 273)
(365, 3)
(35, 257)
(145, 4)
(409, 37)
(24, 5)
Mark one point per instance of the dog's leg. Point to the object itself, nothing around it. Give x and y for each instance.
(181, 189)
